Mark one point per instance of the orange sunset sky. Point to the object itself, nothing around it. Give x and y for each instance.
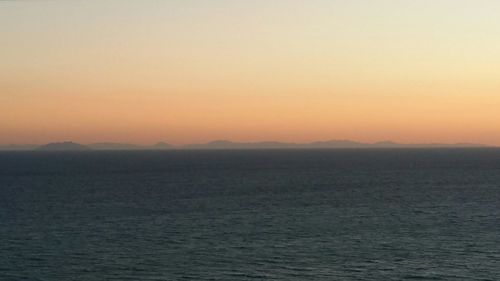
(193, 71)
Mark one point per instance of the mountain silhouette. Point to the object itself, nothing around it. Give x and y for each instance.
(128, 146)
(226, 144)
(162, 145)
(63, 146)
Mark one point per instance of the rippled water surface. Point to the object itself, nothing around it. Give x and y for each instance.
(251, 215)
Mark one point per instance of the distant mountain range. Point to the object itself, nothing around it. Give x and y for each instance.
(102, 146)
(225, 144)
(63, 146)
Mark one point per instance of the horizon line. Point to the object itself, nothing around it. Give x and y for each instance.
(221, 143)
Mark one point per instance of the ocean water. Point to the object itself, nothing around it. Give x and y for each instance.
(421, 214)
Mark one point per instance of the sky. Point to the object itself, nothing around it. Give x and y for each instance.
(191, 71)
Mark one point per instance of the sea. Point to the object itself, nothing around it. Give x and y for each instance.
(352, 214)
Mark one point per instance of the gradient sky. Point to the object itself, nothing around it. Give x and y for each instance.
(192, 71)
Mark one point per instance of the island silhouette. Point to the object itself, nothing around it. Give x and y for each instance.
(63, 146)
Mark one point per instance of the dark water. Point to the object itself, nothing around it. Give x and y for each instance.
(251, 215)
